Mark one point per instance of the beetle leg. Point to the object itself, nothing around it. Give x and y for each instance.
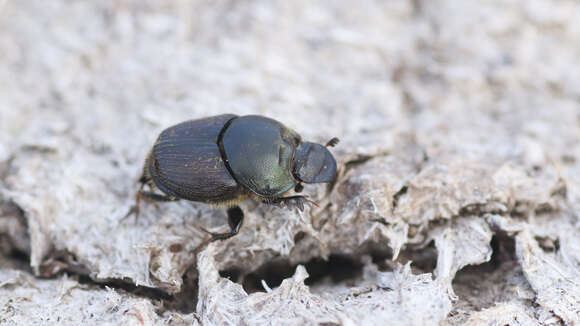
(235, 221)
(135, 208)
(149, 195)
(294, 201)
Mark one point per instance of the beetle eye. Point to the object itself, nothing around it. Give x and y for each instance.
(313, 163)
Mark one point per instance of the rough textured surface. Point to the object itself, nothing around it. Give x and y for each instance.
(25, 300)
(398, 297)
(460, 145)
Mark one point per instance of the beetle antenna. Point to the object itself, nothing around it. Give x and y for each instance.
(332, 142)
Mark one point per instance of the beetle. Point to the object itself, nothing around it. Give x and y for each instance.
(224, 159)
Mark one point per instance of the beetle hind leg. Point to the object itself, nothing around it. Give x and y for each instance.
(235, 221)
(135, 208)
(151, 196)
(147, 196)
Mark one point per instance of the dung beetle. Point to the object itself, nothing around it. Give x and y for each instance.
(224, 159)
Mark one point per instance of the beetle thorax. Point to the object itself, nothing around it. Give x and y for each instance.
(259, 152)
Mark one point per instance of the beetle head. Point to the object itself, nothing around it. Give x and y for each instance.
(313, 163)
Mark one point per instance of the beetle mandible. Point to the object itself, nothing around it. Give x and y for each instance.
(224, 159)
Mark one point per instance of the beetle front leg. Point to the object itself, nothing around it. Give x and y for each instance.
(293, 201)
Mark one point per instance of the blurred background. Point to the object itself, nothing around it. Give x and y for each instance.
(121, 68)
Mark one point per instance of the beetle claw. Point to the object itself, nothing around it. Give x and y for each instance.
(235, 220)
(133, 210)
(312, 202)
(213, 235)
(204, 230)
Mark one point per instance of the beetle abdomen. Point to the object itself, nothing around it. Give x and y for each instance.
(186, 162)
(259, 152)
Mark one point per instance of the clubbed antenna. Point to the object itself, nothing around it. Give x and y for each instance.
(332, 142)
